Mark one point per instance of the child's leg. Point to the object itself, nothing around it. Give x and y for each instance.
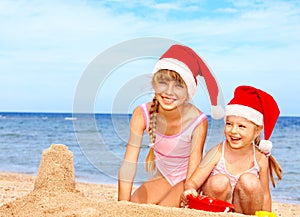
(248, 194)
(218, 186)
(151, 191)
(173, 196)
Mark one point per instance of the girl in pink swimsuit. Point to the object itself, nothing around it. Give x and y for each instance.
(237, 170)
(176, 128)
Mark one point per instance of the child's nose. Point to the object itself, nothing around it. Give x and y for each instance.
(170, 88)
(234, 129)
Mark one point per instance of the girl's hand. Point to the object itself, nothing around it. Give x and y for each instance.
(184, 201)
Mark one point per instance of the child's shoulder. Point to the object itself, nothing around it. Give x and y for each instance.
(216, 150)
(137, 111)
(213, 156)
(261, 158)
(141, 109)
(145, 105)
(137, 119)
(218, 147)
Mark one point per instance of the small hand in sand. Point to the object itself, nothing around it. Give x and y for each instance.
(184, 201)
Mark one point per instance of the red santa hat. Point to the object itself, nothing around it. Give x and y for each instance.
(189, 65)
(258, 107)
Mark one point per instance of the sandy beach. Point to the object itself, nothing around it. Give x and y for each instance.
(54, 192)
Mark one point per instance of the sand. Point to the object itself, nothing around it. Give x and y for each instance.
(54, 192)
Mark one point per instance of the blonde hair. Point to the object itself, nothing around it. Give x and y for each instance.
(273, 165)
(165, 75)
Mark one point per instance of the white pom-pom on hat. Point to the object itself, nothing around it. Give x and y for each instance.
(217, 112)
(265, 146)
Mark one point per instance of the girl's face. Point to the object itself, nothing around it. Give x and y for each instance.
(169, 91)
(240, 132)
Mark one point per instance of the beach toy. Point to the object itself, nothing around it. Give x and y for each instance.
(206, 203)
(265, 214)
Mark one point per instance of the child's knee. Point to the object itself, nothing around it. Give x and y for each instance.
(248, 182)
(139, 196)
(218, 184)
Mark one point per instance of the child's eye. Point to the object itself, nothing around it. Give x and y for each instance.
(228, 123)
(242, 126)
(179, 85)
(162, 82)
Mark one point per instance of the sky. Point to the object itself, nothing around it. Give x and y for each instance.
(47, 46)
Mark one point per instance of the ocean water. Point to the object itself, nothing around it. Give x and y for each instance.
(98, 143)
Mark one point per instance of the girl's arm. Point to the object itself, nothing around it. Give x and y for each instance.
(197, 144)
(201, 173)
(264, 179)
(128, 168)
(204, 169)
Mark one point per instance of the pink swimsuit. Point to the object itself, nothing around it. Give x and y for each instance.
(220, 168)
(172, 152)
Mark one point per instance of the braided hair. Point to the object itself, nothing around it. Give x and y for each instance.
(150, 165)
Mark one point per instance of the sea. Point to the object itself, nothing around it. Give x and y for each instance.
(98, 143)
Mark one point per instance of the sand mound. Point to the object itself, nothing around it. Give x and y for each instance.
(56, 170)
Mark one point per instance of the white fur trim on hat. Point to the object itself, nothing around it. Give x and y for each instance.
(245, 112)
(181, 69)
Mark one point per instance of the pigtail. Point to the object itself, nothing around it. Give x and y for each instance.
(150, 165)
(273, 165)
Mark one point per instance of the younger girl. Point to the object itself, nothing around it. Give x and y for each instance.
(237, 169)
(177, 129)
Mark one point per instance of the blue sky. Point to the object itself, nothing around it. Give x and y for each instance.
(45, 46)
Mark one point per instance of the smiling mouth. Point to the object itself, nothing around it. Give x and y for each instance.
(168, 100)
(235, 139)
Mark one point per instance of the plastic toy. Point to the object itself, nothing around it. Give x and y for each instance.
(211, 204)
